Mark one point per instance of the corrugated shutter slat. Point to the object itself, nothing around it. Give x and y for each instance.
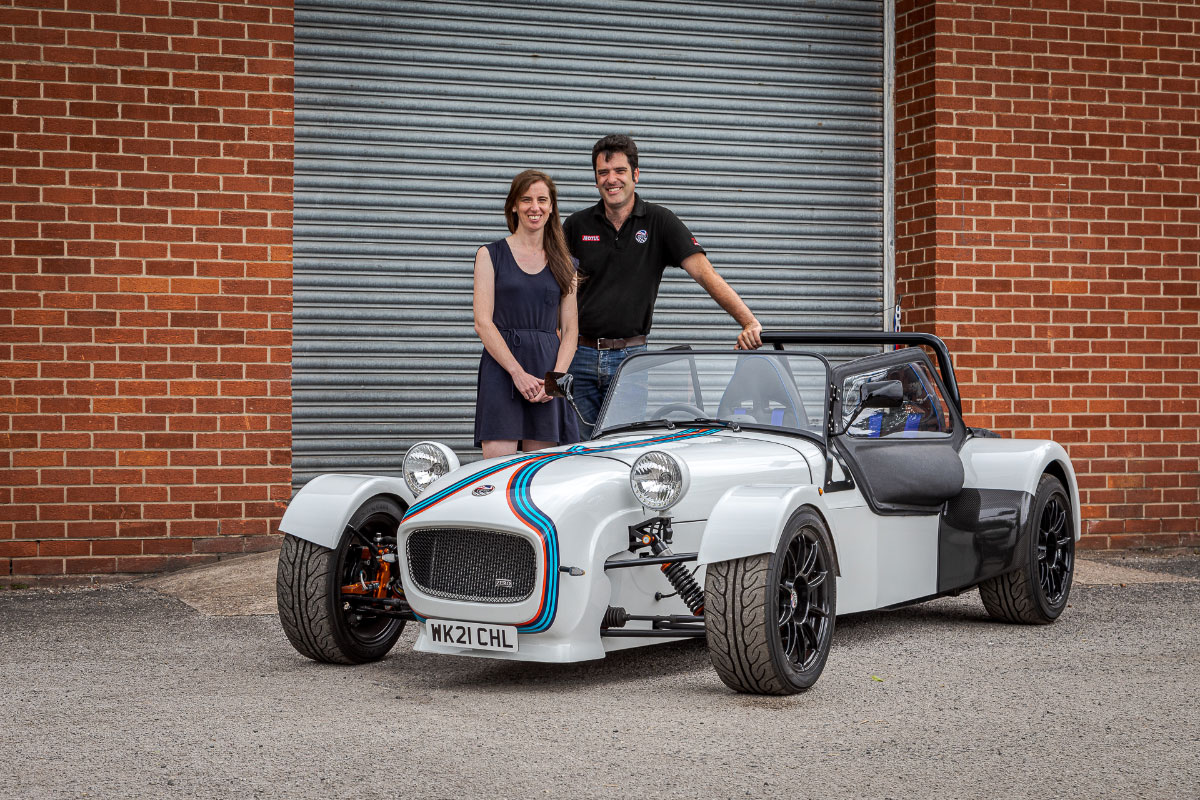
(760, 125)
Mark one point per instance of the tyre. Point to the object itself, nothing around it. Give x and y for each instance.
(1036, 592)
(769, 618)
(319, 594)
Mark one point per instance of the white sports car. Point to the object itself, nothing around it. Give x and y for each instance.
(744, 497)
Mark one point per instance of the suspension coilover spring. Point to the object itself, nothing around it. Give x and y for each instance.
(686, 585)
(656, 534)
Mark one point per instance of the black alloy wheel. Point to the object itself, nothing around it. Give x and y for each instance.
(360, 566)
(1036, 592)
(769, 618)
(805, 608)
(324, 594)
(1055, 550)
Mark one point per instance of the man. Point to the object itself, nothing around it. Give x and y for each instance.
(623, 245)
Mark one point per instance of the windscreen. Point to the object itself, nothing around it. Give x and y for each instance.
(775, 389)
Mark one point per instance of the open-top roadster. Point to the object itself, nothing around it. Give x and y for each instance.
(744, 497)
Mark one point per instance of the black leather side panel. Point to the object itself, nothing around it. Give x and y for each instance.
(982, 533)
(904, 472)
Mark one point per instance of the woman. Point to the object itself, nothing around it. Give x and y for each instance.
(524, 299)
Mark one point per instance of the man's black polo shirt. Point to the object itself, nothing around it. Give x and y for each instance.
(624, 268)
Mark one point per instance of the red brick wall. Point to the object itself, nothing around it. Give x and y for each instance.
(145, 259)
(1048, 207)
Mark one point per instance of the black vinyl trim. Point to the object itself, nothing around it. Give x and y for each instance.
(982, 533)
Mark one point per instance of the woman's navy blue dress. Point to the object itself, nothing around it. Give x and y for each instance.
(525, 309)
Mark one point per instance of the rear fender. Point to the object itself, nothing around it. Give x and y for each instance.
(321, 510)
(1018, 464)
(748, 520)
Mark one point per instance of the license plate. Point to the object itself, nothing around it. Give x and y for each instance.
(472, 634)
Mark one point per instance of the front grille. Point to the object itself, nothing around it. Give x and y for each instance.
(470, 564)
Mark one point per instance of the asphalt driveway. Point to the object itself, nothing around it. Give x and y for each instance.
(127, 691)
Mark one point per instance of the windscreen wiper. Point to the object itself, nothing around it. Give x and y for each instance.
(718, 423)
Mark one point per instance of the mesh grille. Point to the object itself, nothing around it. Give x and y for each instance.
(469, 564)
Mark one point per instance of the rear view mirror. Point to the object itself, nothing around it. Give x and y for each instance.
(558, 384)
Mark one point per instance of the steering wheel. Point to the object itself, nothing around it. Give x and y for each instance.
(686, 408)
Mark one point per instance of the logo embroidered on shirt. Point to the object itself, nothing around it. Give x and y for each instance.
(641, 236)
(586, 238)
(695, 242)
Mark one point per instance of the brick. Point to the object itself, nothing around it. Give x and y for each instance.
(37, 566)
(1097, 146)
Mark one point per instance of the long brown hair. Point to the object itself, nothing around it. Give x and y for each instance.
(554, 241)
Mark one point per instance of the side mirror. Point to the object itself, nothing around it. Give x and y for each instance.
(882, 394)
(875, 394)
(558, 384)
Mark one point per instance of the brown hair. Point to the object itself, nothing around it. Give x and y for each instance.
(554, 241)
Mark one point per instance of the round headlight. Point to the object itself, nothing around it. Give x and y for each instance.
(425, 462)
(658, 480)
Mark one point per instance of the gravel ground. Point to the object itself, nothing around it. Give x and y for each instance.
(123, 692)
(1182, 563)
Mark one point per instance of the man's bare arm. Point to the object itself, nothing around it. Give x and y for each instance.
(701, 269)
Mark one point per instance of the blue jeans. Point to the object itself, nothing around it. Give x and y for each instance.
(593, 371)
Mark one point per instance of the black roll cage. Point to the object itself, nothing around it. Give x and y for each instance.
(780, 338)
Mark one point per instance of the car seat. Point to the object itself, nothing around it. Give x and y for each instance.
(761, 390)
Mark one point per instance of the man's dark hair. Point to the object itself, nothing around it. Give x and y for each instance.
(612, 144)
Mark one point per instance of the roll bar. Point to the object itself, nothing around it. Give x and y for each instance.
(780, 338)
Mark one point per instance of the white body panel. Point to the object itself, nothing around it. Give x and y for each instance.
(749, 519)
(883, 560)
(320, 510)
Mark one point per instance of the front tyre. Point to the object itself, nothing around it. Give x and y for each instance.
(769, 618)
(1036, 593)
(320, 591)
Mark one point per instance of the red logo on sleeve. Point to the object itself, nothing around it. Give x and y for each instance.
(695, 242)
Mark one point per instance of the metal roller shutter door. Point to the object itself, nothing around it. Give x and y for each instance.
(760, 125)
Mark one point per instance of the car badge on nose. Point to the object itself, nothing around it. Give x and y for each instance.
(484, 490)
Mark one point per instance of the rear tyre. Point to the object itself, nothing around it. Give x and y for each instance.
(1036, 593)
(321, 620)
(770, 617)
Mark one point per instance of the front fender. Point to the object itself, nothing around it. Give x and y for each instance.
(748, 520)
(321, 510)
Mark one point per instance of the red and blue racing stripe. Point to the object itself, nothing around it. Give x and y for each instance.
(520, 500)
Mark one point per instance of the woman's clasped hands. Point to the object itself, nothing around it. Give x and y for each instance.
(531, 388)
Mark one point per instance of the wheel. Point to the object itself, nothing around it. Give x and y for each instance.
(686, 408)
(1036, 593)
(770, 617)
(321, 591)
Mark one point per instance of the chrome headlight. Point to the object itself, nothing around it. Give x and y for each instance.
(425, 462)
(658, 480)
